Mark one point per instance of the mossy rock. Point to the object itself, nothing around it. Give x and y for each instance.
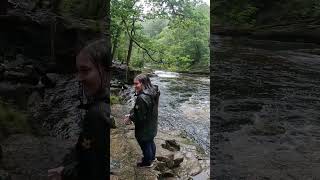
(12, 121)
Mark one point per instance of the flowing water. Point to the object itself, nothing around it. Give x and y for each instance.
(184, 105)
(265, 109)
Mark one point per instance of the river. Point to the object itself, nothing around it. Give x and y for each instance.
(184, 105)
(265, 109)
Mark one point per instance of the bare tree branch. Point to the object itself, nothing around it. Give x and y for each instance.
(138, 44)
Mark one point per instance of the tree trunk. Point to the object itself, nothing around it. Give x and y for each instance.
(130, 42)
(130, 47)
(197, 56)
(115, 42)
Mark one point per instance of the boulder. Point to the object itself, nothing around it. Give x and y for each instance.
(161, 166)
(20, 77)
(171, 145)
(164, 158)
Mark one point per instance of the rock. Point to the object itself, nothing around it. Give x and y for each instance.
(19, 93)
(171, 145)
(170, 164)
(114, 177)
(170, 161)
(20, 77)
(167, 174)
(1, 153)
(2, 68)
(47, 81)
(24, 4)
(16, 63)
(24, 19)
(113, 122)
(164, 158)
(114, 164)
(177, 160)
(53, 76)
(119, 72)
(152, 75)
(161, 166)
(33, 99)
(195, 169)
(4, 175)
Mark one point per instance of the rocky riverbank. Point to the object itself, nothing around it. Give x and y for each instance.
(177, 156)
(50, 106)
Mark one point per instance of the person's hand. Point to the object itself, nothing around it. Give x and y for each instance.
(55, 174)
(127, 120)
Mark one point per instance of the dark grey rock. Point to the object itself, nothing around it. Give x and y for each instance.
(171, 145)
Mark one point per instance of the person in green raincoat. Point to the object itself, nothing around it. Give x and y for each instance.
(145, 117)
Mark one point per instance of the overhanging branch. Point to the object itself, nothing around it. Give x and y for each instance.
(138, 44)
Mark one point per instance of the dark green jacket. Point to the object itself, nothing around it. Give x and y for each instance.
(144, 114)
(90, 157)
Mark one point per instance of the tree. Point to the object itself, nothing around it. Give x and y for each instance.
(166, 37)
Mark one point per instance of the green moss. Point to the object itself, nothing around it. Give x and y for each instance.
(115, 99)
(12, 121)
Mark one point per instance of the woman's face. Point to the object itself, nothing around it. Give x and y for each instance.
(88, 74)
(137, 86)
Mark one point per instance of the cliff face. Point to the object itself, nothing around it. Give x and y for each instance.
(44, 35)
(38, 45)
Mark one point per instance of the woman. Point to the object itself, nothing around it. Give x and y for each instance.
(145, 117)
(90, 157)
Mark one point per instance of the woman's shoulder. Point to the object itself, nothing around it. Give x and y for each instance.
(99, 109)
(142, 97)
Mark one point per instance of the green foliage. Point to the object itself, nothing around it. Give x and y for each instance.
(184, 42)
(12, 121)
(173, 35)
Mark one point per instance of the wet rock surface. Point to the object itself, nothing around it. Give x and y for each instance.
(29, 157)
(265, 101)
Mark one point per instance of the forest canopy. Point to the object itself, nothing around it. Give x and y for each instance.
(161, 34)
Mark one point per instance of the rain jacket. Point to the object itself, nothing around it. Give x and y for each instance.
(144, 114)
(90, 157)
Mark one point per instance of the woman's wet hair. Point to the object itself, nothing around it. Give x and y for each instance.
(145, 81)
(99, 54)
